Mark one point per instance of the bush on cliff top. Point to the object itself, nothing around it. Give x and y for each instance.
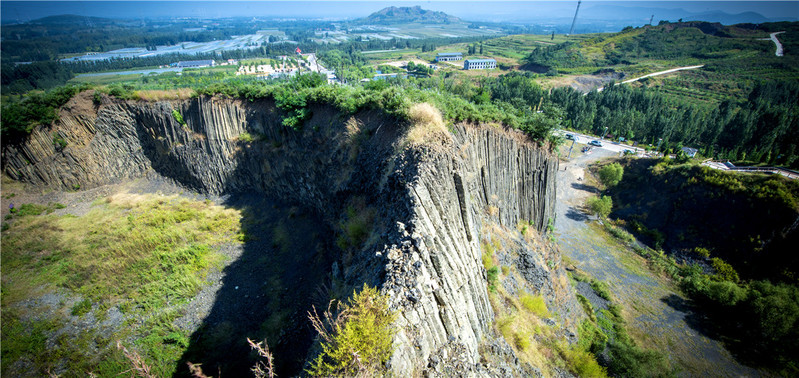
(20, 117)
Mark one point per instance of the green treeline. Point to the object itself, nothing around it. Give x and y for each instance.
(763, 128)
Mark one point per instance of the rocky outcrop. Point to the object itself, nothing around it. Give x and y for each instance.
(485, 175)
(434, 204)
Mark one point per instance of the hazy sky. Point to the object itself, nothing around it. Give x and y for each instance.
(469, 10)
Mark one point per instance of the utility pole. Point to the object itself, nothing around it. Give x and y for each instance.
(572, 146)
(650, 19)
(575, 17)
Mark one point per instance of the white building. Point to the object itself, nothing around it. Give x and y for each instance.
(448, 56)
(479, 64)
(196, 63)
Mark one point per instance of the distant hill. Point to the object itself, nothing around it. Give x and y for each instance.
(729, 19)
(401, 15)
(638, 14)
(70, 19)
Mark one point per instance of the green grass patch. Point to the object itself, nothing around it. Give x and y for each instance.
(35, 209)
(81, 308)
(534, 304)
(147, 255)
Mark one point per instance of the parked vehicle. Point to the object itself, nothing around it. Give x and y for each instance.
(569, 136)
(595, 143)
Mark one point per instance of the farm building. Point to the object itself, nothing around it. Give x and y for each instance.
(448, 56)
(479, 64)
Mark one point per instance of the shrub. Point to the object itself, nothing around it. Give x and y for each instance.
(584, 364)
(357, 339)
(356, 226)
(630, 361)
(601, 206)
(492, 274)
(611, 174)
(81, 308)
(592, 338)
(245, 137)
(535, 304)
(178, 117)
(601, 289)
(521, 341)
(724, 271)
(725, 293)
(702, 252)
(19, 118)
(58, 142)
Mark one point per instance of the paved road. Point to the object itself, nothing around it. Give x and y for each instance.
(773, 37)
(659, 73)
(657, 314)
(133, 72)
(608, 145)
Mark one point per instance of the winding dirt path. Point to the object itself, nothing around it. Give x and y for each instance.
(657, 315)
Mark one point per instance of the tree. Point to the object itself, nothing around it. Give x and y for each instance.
(611, 174)
(600, 206)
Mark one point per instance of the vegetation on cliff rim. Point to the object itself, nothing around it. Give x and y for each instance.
(20, 117)
(295, 96)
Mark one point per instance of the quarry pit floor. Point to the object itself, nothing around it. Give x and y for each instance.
(659, 317)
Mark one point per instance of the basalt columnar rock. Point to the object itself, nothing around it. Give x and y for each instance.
(433, 203)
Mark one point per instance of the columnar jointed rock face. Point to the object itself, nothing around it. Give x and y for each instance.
(433, 202)
(485, 175)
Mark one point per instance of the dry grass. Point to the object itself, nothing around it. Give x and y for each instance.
(160, 95)
(427, 124)
(356, 135)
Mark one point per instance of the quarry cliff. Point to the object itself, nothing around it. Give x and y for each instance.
(430, 206)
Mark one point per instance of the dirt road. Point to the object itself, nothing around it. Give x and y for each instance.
(658, 317)
(658, 74)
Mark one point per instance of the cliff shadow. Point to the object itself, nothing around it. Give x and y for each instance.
(576, 214)
(584, 187)
(295, 189)
(693, 316)
(278, 272)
